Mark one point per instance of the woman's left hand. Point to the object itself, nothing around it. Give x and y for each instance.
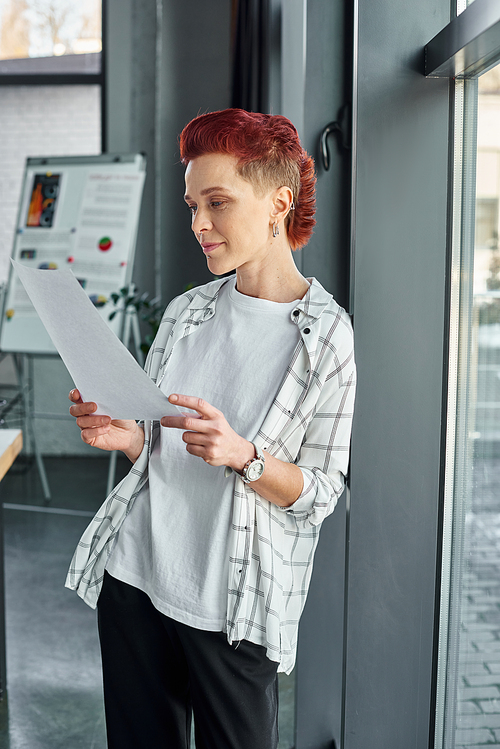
(209, 436)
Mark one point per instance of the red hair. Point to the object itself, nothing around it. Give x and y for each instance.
(269, 155)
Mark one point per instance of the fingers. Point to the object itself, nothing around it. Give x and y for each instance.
(93, 422)
(196, 438)
(199, 452)
(190, 423)
(82, 409)
(89, 435)
(92, 425)
(196, 404)
(208, 437)
(209, 447)
(74, 395)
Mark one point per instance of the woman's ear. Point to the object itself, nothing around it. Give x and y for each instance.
(282, 204)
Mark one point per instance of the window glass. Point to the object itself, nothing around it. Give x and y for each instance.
(487, 220)
(462, 5)
(63, 32)
(485, 366)
(472, 702)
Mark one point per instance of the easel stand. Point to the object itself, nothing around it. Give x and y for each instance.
(23, 364)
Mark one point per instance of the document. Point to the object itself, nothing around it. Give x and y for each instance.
(102, 368)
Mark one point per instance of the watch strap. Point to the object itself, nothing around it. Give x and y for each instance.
(258, 457)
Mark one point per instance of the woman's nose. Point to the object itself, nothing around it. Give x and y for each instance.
(200, 222)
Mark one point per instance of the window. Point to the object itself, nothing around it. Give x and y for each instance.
(470, 615)
(51, 92)
(50, 36)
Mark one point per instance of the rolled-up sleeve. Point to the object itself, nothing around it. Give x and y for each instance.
(324, 454)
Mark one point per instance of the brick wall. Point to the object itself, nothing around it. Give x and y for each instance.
(40, 121)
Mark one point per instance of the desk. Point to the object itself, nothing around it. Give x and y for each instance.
(11, 442)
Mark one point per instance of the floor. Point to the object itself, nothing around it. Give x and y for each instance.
(478, 707)
(54, 682)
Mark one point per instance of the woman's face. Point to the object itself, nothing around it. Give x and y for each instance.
(232, 224)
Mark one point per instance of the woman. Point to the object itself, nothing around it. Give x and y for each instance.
(204, 550)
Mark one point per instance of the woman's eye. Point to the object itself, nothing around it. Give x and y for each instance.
(216, 203)
(192, 209)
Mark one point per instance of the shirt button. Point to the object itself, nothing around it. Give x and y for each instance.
(296, 313)
(307, 330)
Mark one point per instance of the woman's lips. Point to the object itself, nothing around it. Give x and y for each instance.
(210, 246)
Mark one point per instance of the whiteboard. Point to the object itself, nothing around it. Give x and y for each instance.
(77, 212)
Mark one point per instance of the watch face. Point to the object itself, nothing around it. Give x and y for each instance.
(255, 470)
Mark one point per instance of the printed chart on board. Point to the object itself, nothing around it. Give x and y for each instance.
(79, 213)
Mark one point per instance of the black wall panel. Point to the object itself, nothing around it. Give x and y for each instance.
(399, 318)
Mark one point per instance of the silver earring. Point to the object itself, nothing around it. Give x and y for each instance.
(276, 229)
(292, 207)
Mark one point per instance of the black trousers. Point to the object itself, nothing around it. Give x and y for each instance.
(156, 671)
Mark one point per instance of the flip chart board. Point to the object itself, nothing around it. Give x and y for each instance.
(80, 213)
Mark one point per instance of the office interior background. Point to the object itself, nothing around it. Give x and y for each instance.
(399, 103)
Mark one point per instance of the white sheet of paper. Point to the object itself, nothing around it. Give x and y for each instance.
(102, 368)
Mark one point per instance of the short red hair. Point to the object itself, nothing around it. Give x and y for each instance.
(269, 155)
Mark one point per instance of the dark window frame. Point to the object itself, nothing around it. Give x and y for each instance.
(468, 46)
(463, 50)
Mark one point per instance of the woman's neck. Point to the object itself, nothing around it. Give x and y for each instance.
(276, 279)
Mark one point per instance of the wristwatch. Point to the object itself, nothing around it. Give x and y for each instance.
(254, 468)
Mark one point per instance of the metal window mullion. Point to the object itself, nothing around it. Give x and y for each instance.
(459, 473)
(457, 130)
(51, 79)
(468, 45)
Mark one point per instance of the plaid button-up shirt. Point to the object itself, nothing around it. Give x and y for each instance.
(271, 549)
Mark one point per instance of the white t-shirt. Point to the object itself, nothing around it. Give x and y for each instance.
(173, 543)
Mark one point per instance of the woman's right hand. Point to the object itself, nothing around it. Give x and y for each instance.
(104, 432)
